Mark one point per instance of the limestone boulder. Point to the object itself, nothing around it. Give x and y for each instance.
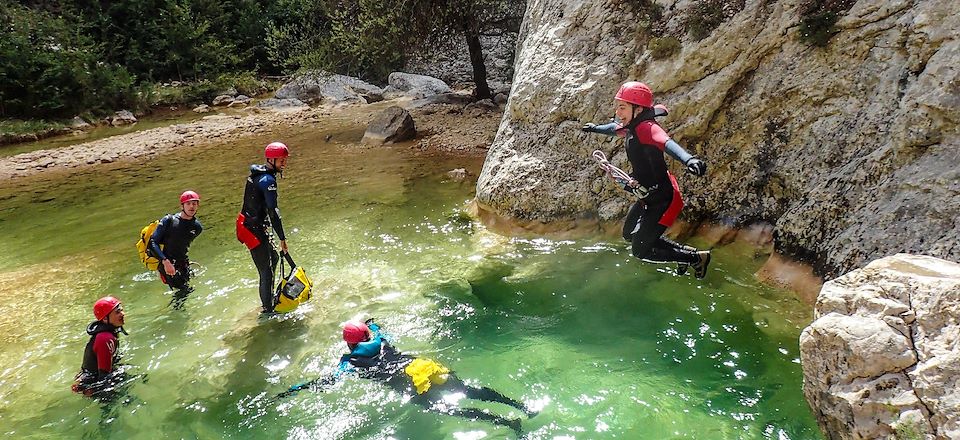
(318, 87)
(391, 125)
(222, 100)
(881, 356)
(414, 86)
(282, 104)
(122, 117)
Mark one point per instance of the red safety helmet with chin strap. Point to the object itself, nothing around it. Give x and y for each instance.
(355, 332)
(276, 150)
(104, 306)
(636, 93)
(189, 196)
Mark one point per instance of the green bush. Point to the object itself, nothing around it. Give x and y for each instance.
(703, 18)
(819, 18)
(49, 70)
(665, 47)
(18, 127)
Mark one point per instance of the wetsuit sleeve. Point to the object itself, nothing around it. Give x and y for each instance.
(199, 228)
(268, 184)
(104, 347)
(157, 237)
(607, 129)
(343, 368)
(677, 152)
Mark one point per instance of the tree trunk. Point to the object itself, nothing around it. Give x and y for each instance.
(482, 90)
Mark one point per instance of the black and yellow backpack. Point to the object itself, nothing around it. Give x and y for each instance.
(143, 246)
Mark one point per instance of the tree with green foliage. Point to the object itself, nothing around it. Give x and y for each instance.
(49, 69)
(371, 38)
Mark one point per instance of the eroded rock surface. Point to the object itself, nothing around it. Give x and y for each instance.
(881, 358)
(849, 150)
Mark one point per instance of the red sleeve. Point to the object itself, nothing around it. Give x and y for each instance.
(649, 133)
(104, 346)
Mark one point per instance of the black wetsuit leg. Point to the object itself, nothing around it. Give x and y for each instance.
(633, 218)
(266, 259)
(433, 400)
(648, 242)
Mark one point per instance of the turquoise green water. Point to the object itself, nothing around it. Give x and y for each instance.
(605, 346)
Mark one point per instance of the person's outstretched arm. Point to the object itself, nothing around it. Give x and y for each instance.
(609, 129)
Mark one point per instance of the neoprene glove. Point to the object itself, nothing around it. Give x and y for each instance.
(696, 167)
(589, 127)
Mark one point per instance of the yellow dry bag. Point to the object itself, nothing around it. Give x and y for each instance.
(293, 290)
(148, 260)
(425, 372)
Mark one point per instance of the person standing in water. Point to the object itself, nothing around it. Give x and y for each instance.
(97, 372)
(171, 241)
(259, 212)
(427, 382)
(660, 200)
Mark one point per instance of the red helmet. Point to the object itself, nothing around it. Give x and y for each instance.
(636, 93)
(276, 150)
(189, 196)
(104, 306)
(355, 332)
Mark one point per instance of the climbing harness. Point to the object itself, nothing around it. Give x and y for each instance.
(618, 175)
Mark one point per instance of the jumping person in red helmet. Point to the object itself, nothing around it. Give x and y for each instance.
(101, 353)
(171, 241)
(660, 201)
(259, 213)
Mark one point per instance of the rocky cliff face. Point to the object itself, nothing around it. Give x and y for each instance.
(881, 359)
(851, 150)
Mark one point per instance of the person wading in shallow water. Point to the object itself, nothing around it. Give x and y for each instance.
(259, 212)
(429, 384)
(171, 241)
(660, 201)
(97, 376)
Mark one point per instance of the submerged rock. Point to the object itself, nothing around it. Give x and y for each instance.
(881, 357)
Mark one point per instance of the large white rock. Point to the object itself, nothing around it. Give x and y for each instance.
(850, 150)
(882, 353)
(415, 86)
(316, 87)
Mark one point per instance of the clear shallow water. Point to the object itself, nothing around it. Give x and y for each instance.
(607, 347)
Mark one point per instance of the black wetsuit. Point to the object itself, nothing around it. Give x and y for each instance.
(175, 234)
(378, 360)
(259, 212)
(650, 217)
(388, 367)
(100, 355)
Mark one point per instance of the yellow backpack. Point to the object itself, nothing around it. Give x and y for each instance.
(148, 260)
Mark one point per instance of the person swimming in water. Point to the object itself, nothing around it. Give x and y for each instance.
(428, 382)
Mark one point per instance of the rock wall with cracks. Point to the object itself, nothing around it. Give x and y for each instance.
(881, 358)
(849, 150)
